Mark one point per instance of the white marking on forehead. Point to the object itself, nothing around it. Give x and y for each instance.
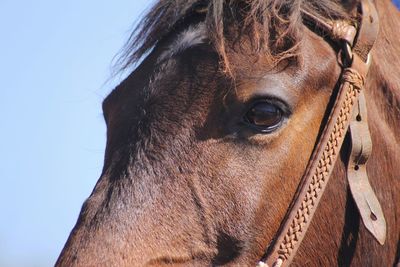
(192, 36)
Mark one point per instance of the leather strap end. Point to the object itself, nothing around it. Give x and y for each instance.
(363, 195)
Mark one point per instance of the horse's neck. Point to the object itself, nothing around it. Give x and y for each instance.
(383, 85)
(384, 112)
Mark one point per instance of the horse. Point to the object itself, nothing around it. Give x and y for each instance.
(209, 137)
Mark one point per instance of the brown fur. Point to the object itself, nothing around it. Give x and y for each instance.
(185, 184)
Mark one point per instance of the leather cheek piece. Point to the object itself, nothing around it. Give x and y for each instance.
(361, 148)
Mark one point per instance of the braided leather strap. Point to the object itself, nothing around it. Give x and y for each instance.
(318, 173)
(352, 84)
(322, 162)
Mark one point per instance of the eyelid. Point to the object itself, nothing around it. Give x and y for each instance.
(285, 108)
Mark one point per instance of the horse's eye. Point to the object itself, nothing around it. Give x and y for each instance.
(264, 116)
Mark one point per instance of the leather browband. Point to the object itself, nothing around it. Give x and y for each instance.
(348, 113)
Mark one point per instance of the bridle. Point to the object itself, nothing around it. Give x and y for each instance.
(348, 114)
(347, 117)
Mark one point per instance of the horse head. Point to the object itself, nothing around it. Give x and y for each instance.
(209, 136)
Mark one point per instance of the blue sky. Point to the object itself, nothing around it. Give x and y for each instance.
(55, 71)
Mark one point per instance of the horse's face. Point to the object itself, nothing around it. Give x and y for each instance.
(198, 167)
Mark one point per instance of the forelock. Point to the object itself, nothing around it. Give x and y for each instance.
(272, 26)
